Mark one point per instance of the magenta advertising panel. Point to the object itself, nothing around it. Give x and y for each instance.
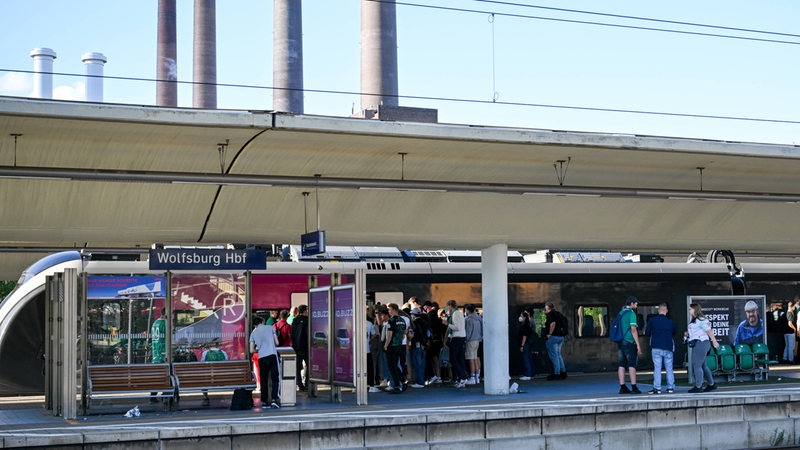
(319, 302)
(343, 360)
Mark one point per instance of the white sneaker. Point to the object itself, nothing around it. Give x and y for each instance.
(524, 378)
(416, 386)
(460, 384)
(437, 380)
(383, 384)
(470, 382)
(374, 389)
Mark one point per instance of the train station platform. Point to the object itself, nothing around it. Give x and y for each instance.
(583, 411)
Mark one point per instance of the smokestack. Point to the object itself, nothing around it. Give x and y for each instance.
(43, 72)
(167, 58)
(204, 92)
(378, 55)
(287, 59)
(94, 62)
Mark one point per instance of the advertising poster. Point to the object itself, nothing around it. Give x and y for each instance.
(343, 359)
(319, 323)
(735, 319)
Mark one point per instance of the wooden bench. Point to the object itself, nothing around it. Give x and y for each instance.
(122, 380)
(213, 375)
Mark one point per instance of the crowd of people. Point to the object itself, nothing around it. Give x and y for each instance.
(416, 345)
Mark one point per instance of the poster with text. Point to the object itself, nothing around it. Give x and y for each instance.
(343, 358)
(319, 359)
(735, 319)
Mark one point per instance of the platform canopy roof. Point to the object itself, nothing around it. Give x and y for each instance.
(101, 175)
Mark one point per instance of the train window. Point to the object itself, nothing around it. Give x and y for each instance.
(643, 314)
(591, 321)
(538, 319)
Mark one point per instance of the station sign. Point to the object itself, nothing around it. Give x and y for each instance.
(207, 259)
(312, 243)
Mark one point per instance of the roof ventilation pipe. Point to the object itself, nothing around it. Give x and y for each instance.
(43, 72)
(93, 63)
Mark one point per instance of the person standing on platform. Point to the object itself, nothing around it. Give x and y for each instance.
(556, 326)
(629, 349)
(437, 342)
(419, 345)
(300, 346)
(661, 330)
(789, 334)
(700, 339)
(295, 313)
(525, 334)
(457, 341)
(283, 330)
(473, 325)
(394, 347)
(264, 341)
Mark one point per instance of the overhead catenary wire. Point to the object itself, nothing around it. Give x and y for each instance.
(647, 19)
(588, 22)
(440, 99)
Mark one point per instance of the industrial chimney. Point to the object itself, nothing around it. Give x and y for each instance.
(379, 79)
(43, 72)
(378, 55)
(167, 55)
(94, 62)
(204, 92)
(287, 56)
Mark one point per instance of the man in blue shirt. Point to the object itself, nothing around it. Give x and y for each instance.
(751, 330)
(661, 330)
(264, 341)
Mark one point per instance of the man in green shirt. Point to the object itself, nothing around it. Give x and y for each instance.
(629, 349)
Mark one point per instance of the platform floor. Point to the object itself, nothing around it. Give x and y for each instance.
(25, 416)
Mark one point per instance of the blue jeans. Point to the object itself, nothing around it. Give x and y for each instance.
(553, 345)
(527, 360)
(665, 356)
(418, 363)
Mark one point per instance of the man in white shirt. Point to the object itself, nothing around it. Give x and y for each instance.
(457, 336)
(264, 340)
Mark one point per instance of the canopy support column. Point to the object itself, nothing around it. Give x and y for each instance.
(494, 279)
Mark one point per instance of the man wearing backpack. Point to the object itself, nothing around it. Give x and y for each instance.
(283, 330)
(300, 346)
(555, 325)
(629, 348)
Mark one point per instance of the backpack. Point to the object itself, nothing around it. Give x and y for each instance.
(284, 335)
(617, 331)
(242, 399)
(562, 325)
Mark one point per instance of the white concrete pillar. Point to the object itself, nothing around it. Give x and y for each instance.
(43, 72)
(494, 291)
(93, 63)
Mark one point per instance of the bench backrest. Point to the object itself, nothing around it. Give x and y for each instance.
(213, 373)
(129, 377)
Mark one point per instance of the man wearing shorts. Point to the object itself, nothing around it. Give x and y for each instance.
(474, 329)
(629, 349)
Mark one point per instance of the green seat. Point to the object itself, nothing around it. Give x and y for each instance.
(727, 359)
(711, 361)
(761, 356)
(746, 358)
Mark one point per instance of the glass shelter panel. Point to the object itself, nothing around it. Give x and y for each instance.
(121, 311)
(208, 317)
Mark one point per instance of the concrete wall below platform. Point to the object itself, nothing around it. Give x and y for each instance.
(766, 421)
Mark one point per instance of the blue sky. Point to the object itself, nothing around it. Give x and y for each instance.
(458, 55)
